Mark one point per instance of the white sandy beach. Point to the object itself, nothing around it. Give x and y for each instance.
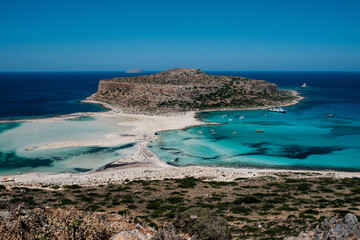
(155, 170)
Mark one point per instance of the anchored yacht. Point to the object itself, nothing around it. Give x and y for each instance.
(278, 110)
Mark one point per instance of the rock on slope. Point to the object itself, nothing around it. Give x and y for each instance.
(347, 228)
(183, 89)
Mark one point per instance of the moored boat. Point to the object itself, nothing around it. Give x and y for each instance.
(278, 110)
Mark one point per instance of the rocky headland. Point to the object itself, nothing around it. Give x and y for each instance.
(189, 89)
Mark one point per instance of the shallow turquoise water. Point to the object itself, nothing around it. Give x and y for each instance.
(302, 138)
(16, 137)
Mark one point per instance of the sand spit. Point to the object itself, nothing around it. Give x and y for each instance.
(141, 128)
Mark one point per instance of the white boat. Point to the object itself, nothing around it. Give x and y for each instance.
(200, 132)
(278, 110)
(331, 115)
(241, 117)
(234, 132)
(304, 85)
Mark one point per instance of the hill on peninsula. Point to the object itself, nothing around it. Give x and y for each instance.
(185, 89)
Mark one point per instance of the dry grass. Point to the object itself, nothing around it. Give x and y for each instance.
(58, 224)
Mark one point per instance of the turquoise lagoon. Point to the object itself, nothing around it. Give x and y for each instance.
(302, 138)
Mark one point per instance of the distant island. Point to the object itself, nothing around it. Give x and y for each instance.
(135, 70)
(189, 89)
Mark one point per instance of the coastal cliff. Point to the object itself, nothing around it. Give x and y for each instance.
(185, 89)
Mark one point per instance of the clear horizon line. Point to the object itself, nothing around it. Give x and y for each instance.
(7, 71)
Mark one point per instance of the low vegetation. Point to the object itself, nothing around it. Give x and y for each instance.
(256, 208)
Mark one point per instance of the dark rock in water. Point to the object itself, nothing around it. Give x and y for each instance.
(347, 228)
(135, 70)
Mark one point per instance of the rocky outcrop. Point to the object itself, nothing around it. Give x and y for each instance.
(184, 89)
(347, 228)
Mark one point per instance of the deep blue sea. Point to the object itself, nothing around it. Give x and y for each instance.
(302, 138)
(40, 94)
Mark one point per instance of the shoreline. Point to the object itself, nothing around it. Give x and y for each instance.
(297, 100)
(144, 164)
(151, 170)
(293, 102)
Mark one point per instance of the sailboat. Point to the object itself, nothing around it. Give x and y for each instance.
(331, 115)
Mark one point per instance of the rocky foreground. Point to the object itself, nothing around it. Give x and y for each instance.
(183, 89)
(46, 223)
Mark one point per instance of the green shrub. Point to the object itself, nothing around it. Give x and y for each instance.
(175, 200)
(93, 207)
(218, 184)
(189, 182)
(72, 187)
(241, 210)
(246, 200)
(65, 201)
(311, 211)
(123, 212)
(132, 206)
(287, 208)
(127, 199)
(155, 204)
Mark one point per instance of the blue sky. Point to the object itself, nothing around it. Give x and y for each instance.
(157, 35)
